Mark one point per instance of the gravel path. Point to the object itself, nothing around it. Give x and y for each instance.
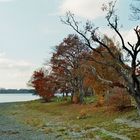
(130, 123)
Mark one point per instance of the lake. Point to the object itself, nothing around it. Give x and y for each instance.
(5, 98)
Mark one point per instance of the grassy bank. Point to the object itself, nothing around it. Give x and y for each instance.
(72, 121)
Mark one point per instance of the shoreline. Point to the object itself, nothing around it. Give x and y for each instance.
(18, 102)
(11, 126)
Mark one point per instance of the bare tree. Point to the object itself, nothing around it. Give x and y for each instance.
(130, 74)
(135, 9)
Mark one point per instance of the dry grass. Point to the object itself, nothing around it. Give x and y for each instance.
(61, 117)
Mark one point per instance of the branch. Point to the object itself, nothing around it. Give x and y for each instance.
(122, 40)
(103, 81)
(132, 46)
(108, 82)
(138, 64)
(75, 27)
(104, 45)
(137, 31)
(114, 26)
(98, 62)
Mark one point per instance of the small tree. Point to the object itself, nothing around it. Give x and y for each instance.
(43, 84)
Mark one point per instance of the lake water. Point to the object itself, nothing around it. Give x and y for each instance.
(5, 98)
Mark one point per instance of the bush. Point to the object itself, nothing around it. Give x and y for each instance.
(119, 99)
(83, 114)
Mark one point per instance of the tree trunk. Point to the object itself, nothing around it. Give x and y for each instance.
(136, 91)
(133, 88)
(63, 94)
(81, 97)
(72, 97)
(137, 99)
(81, 94)
(75, 99)
(81, 90)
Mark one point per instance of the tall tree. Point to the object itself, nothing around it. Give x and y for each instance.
(67, 63)
(90, 35)
(103, 78)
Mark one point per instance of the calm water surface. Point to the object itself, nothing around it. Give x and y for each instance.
(5, 98)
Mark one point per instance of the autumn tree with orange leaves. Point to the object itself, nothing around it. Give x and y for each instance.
(43, 84)
(67, 66)
(91, 35)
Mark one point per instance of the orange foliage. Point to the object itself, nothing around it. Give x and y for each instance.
(43, 85)
(119, 99)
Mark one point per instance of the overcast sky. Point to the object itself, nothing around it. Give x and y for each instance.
(29, 30)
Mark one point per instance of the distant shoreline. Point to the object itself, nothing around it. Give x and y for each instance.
(17, 91)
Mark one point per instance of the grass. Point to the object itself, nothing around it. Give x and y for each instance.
(71, 121)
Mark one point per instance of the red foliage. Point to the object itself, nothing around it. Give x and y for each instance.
(43, 84)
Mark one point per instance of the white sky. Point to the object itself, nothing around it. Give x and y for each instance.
(29, 29)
